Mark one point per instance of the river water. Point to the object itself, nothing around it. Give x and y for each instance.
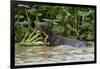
(31, 55)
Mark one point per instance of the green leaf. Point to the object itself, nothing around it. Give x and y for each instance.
(23, 23)
(59, 29)
(90, 36)
(24, 6)
(33, 12)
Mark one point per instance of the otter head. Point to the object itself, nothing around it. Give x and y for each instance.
(44, 28)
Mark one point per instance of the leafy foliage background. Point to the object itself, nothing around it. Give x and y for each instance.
(71, 22)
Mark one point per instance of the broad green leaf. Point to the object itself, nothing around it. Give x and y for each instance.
(22, 5)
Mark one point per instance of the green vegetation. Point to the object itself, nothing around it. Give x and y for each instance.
(72, 22)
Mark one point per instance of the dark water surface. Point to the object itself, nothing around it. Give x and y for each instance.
(27, 55)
